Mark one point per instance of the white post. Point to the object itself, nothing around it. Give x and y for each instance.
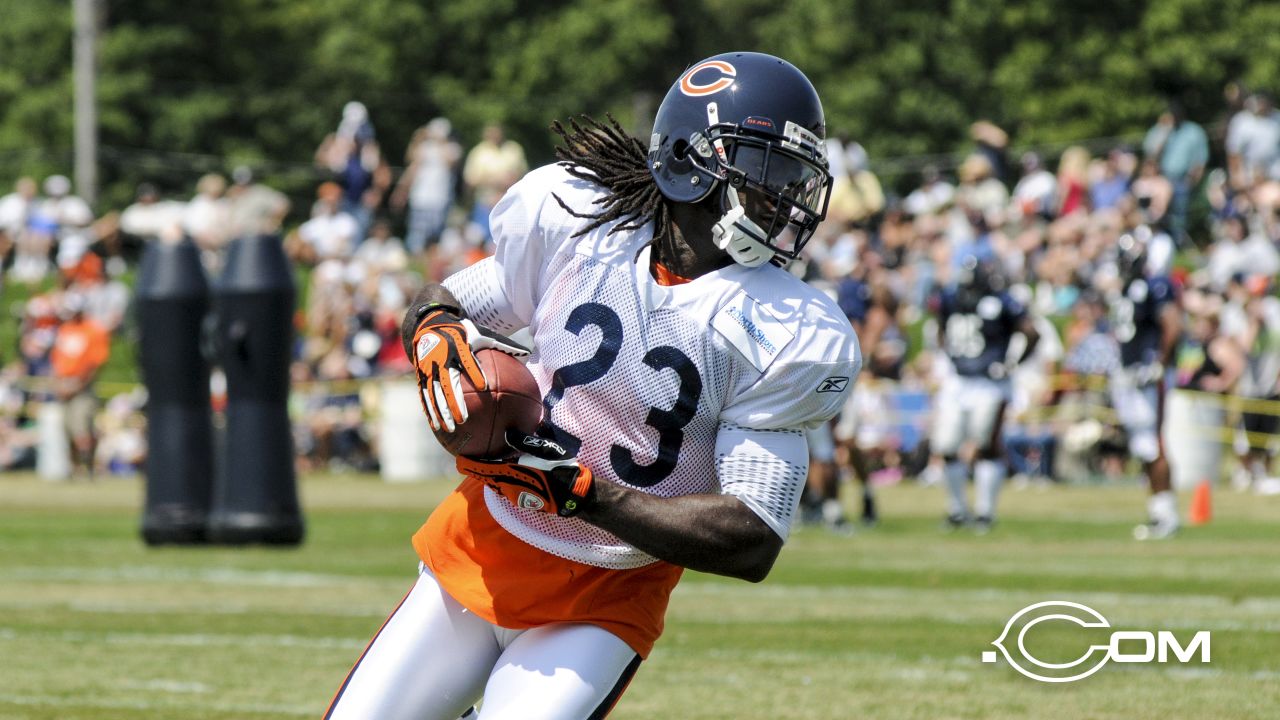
(85, 62)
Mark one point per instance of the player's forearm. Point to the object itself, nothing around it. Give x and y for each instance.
(430, 293)
(434, 293)
(709, 533)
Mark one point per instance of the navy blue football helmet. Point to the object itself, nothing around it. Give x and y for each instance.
(1131, 259)
(750, 127)
(976, 279)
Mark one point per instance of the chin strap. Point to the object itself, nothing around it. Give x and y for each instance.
(736, 233)
(739, 235)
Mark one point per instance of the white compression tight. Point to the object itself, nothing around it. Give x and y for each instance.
(433, 658)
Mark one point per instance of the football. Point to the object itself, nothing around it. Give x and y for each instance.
(512, 401)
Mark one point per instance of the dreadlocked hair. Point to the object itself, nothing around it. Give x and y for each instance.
(610, 156)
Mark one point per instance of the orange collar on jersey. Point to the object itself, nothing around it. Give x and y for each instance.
(666, 277)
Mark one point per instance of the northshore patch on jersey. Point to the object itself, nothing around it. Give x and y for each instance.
(651, 386)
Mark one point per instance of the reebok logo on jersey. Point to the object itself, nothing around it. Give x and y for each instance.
(836, 383)
(752, 330)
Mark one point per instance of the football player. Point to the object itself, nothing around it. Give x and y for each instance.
(977, 322)
(680, 365)
(1146, 323)
(872, 310)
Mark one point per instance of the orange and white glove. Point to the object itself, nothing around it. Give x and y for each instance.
(544, 477)
(444, 347)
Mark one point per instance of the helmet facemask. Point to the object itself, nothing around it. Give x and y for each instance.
(774, 189)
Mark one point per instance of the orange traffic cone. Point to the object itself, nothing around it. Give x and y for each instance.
(1201, 510)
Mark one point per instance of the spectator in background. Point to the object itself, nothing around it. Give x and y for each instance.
(18, 435)
(206, 219)
(1208, 361)
(122, 444)
(1036, 194)
(83, 275)
(80, 350)
(979, 190)
(31, 249)
(354, 157)
(330, 234)
(57, 216)
(1235, 99)
(427, 185)
(253, 208)
(856, 196)
(933, 195)
(492, 166)
(381, 251)
(149, 218)
(1073, 181)
(69, 212)
(1182, 149)
(14, 211)
(1252, 317)
(992, 143)
(37, 333)
(17, 206)
(1238, 252)
(1253, 154)
(1109, 179)
(1152, 193)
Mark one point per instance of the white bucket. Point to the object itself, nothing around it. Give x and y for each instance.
(53, 453)
(408, 451)
(1193, 438)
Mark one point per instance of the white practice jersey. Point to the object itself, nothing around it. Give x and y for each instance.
(701, 387)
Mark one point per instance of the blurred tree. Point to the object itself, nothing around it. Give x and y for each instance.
(186, 88)
(35, 88)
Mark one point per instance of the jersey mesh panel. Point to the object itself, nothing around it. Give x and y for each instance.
(614, 410)
(476, 288)
(770, 485)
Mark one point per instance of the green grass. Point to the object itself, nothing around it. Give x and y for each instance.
(888, 623)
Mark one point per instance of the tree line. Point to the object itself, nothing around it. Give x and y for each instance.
(186, 87)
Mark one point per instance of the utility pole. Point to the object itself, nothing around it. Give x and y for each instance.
(85, 62)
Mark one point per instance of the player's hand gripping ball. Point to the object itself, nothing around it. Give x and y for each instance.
(472, 386)
(509, 401)
(543, 477)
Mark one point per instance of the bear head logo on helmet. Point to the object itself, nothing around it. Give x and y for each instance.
(749, 128)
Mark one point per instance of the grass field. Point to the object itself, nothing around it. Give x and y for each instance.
(888, 623)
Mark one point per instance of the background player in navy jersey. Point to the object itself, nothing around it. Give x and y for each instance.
(1146, 324)
(977, 322)
(865, 298)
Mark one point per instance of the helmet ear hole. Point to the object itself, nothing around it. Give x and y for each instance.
(680, 149)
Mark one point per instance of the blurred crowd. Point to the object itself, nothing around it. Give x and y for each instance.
(380, 224)
(67, 273)
(1053, 237)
